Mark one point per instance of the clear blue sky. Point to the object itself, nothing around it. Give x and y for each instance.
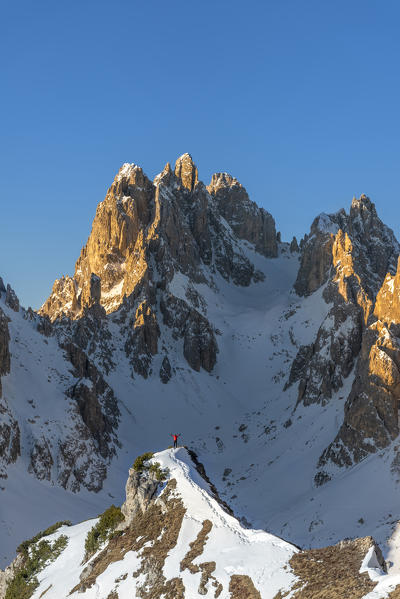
(299, 99)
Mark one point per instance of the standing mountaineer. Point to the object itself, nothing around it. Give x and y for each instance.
(175, 438)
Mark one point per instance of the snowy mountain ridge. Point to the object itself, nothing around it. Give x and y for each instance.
(178, 541)
(278, 363)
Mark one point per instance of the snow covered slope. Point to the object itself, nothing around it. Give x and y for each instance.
(210, 550)
(179, 541)
(186, 314)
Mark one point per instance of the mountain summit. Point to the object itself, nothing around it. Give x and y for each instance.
(143, 233)
(278, 363)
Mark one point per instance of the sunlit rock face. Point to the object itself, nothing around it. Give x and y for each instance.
(114, 252)
(143, 231)
(371, 246)
(372, 409)
(247, 220)
(387, 305)
(351, 254)
(144, 235)
(316, 255)
(186, 172)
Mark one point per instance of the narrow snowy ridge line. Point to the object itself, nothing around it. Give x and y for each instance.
(216, 513)
(198, 563)
(192, 488)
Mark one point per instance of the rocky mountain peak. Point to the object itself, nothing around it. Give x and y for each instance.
(363, 217)
(4, 347)
(165, 176)
(139, 219)
(186, 171)
(145, 234)
(219, 180)
(362, 204)
(128, 176)
(356, 256)
(247, 220)
(374, 247)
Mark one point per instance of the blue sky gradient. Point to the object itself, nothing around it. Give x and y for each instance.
(297, 99)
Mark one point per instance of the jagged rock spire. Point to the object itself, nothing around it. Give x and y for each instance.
(186, 171)
(247, 220)
(294, 246)
(387, 306)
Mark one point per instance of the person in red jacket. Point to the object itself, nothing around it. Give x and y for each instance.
(175, 438)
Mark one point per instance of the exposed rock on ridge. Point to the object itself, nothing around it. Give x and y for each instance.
(143, 235)
(247, 220)
(9, 428)
(371, 419)
(374, 247)
(351, 254)
(4, 346)
(186, 171)
(141, 489)
(334, 571)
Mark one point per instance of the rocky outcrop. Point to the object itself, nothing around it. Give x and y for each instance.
(9, 428)
(78, 462)
(10, 436)
(294, 246)
(165, 370)
(4, 347)
(376, 246)
(44, 326)
(172, 222)
(152, 534)
(41, 462)
(371, 411)
(335, 571)
(141, 488)
(112, 261)
(316, 256)
(322, 366)
(199, 343)
(11, 299)
(97, 404)
(63, 299)
(8, 574)
(142, 340)
(247, 220)
(186, 172)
